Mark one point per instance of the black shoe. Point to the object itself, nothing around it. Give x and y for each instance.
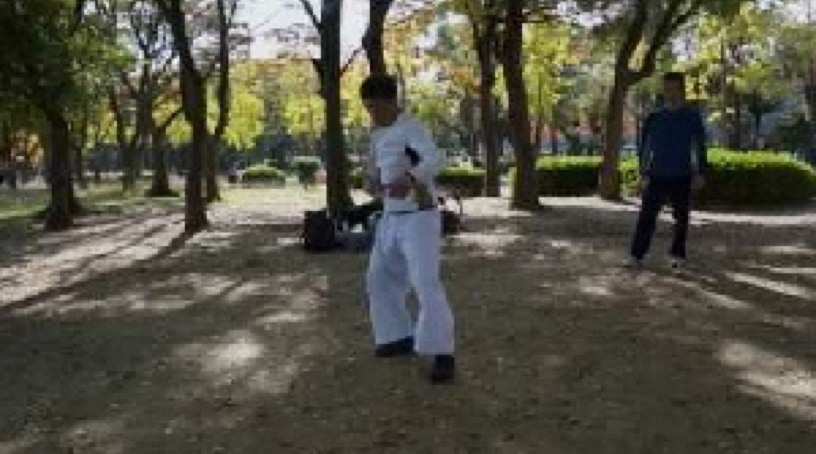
(443, 370)
(402, 347)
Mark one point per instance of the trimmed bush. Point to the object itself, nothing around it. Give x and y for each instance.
(264, 174)
(468, 181)
(630, 176)
(568, 175)
(757, 178)
(747, 178)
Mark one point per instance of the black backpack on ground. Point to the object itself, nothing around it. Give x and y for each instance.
(451, 220)
(319, 232)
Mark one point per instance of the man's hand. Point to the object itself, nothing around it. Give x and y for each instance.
(400, 188)
(697, 182)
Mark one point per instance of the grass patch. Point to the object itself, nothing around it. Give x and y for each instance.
(18, 208)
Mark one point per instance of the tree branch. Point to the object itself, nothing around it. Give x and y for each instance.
(634, 34)
(350, 60)
(162, 127)
(312, 16)
(671, 21)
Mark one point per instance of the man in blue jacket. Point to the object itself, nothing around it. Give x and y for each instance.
(673, 160)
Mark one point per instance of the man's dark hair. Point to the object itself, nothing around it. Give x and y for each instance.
(675, 76)
(379, 86)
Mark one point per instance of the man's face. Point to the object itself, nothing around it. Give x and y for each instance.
(673, 92)
(382, 111)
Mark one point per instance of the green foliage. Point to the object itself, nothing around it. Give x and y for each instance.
(758, 178)
(468, 181)
(547, 48)
(737, 178)
(568, 176)
(51, 58)
(747, 178)
(264, 174)
(739, 50)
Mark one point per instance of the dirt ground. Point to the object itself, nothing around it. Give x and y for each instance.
(119, 337)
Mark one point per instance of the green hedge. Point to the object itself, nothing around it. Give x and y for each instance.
(468, 181)
(748, 178)
(738, 178)
(568, 176)
(264, 174)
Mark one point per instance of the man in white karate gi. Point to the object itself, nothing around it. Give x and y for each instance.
(407, 246)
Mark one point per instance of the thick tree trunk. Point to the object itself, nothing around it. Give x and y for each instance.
(337, 190)
(486, 38)
(126, 147)
(373, 38)
(160, 186)
(59, 214)
(525, 188)
(610, 174)
(195, 214)
(194, 102)
(490, 143)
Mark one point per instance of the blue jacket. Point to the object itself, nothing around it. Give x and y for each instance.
(673, 144)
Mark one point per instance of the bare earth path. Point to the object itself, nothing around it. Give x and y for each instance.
(118, 337)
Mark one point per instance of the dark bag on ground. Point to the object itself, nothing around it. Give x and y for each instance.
(319, 232)
(451, 220)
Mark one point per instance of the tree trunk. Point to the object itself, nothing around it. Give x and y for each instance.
(373, 38)
(810, 95)
(7, 156)
(610, 175)
(337, 190)
(195, 214)
(486, 38)
(490, 143)
(211, 170)
(79, 167)
(736, 126)
(225, 15)
(126, 147)
(525, 188)
(194, 102)
(161, 181)
(59, 214)
(144, 115)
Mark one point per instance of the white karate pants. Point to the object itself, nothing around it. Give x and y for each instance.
(406, 254)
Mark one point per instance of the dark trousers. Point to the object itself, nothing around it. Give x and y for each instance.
(657, 192)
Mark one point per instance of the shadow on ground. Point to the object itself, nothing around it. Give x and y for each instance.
(235, 341)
